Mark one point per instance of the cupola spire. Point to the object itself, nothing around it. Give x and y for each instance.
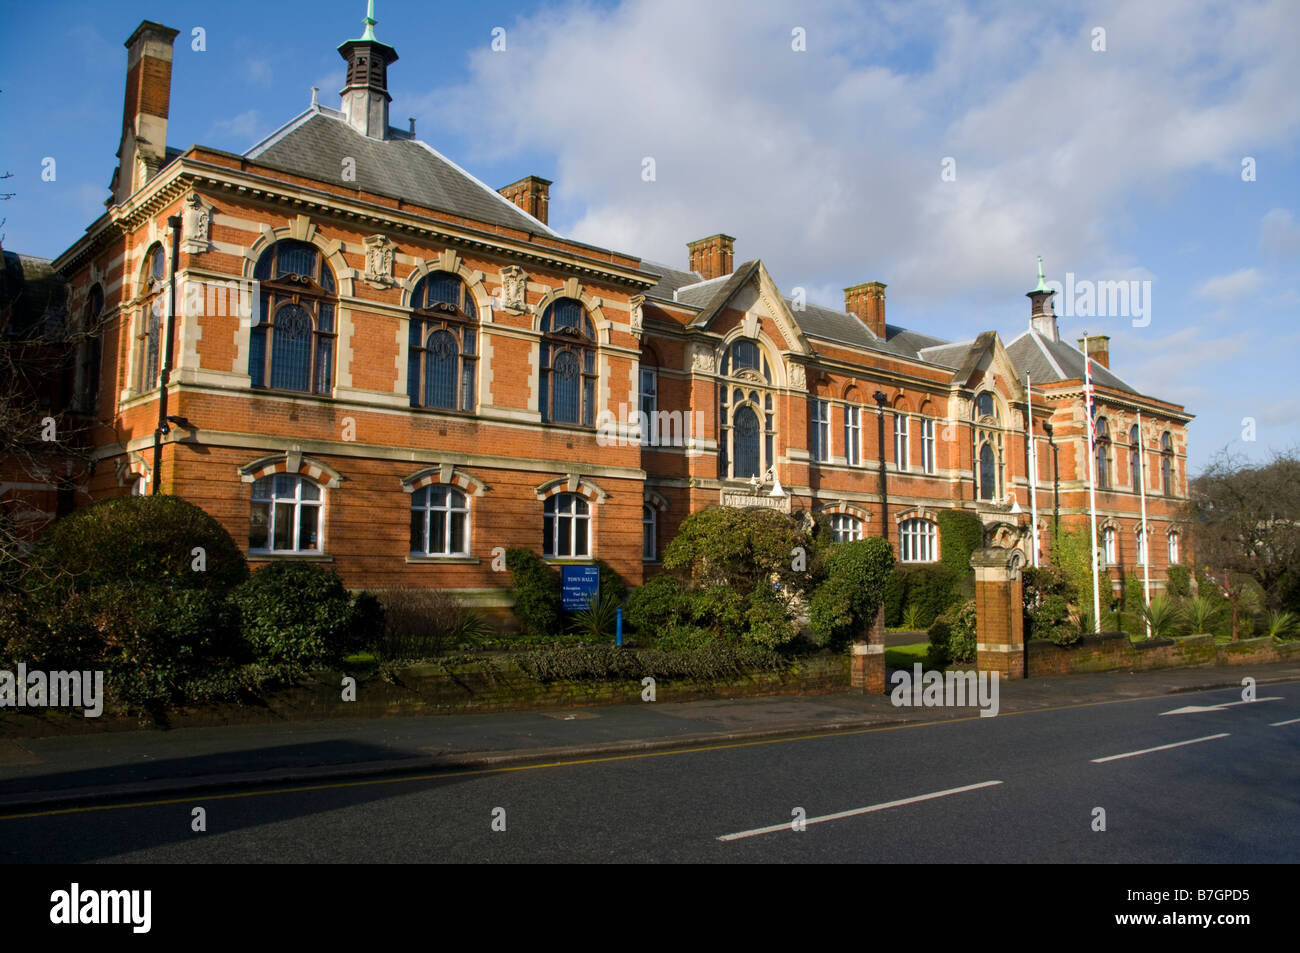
(365, 95)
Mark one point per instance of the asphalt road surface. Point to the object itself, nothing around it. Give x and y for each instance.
(1221, 786)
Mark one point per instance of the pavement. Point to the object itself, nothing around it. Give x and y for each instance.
(82, 768)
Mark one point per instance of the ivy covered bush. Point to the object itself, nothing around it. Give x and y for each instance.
(953, 636)
(847, 601)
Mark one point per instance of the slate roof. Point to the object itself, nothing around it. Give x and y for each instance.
(670, 279)
(1048, 361)
(315, 143)
(33, 298)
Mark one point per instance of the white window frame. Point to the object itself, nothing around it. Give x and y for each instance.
(918, 540)
(852, 435)
(450, 510)
(1109, 539)
(821, 433)
(902, 443)
(845, 527)
(579, 526)
(274, 501)
(648, 375)
(1173, 549)
(1141, 545)
(927, 445)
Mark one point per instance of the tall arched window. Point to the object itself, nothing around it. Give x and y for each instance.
(286, 515)
(649, 533)
(1166, 464)
(89, 352)
(1109, 553)
(443, 344)
(1173, 549)
(1102, 449)
(149, 331)
(1134, 459)
(987, 435)
(568, 364)
(747, 412)
(566, 527)
(291, 346)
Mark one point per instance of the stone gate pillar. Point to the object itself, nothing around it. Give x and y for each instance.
(867, 675)
(999, 612)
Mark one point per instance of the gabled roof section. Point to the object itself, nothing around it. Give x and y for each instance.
(670, 280)
(987, 353)
(315, 143)
(752, 272)
(1048, 361)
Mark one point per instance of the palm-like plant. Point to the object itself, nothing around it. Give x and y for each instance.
(1159, 614)
(912, 618)
(598, 619)
(1282, 624)
(1200, 614)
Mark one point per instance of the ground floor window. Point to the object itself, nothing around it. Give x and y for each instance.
(439, 522)
(567, 526)
(845, 528)
(286, 515)
(918, 541)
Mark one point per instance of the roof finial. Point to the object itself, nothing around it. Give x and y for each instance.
(1041, 285)
(370, 21)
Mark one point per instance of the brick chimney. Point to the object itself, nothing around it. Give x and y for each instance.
(144, 116)
(531, 193)
(712, 257)
(867, 301)
(1099, 348)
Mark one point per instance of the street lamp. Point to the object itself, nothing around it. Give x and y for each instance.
(1056, 484)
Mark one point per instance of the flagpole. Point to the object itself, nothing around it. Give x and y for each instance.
(1089, 411)
(1146, 542)
(1033, 467)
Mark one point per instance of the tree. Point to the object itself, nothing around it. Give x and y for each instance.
(1245, 523)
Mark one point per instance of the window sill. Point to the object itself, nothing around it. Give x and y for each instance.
(264, 556)
(569, 560)
(444, 560)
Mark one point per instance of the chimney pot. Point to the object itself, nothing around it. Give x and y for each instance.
(712, 257)
(1098, 348)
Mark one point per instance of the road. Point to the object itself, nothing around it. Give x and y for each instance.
(1020, 787)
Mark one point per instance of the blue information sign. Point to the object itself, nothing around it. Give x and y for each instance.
(578, 586)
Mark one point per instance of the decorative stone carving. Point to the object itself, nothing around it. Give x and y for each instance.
(196, 223)
(379, 262)
(701, 359)
(798, 376)
(514, 283)
(750, 325)
(635, 315)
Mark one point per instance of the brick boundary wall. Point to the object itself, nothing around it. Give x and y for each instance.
(1112, 651)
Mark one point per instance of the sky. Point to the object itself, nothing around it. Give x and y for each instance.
(937, 147)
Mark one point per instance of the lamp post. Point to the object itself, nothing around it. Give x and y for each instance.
(881, 400)
(1056, 485)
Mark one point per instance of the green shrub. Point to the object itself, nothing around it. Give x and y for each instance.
(613, 663)
(424, 623)
(1050, 619)
(1179, 583)
(149, 540)
(930, 588)
(299, 615)
(854, 590)
(913, 618)
(1200, 614)
(1282, 624)
(1160, 616)
(536, 588)
(962, 532)
(612, 588)
(655, 605)
(598, 620)
(953, 636)
(767, 621)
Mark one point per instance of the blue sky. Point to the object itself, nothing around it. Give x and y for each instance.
(1122, 164)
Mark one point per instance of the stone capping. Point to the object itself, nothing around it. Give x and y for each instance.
(444, 473)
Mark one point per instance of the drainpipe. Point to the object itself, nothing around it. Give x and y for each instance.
(174, 223)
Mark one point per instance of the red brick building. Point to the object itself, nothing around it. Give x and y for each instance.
(377, 361)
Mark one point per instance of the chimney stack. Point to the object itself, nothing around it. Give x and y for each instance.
(1042, 320)
(712, 257)
(365, 94)
(1098, 349)
(867, 301)
(532, 193)
(144, 114)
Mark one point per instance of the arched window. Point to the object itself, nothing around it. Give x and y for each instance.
(152, 313)
(286, 515)
(1141, 546)
(1134, 459)
(439, 522)
(988, 473)
(918, 541)
(1102, 449)
(566, 529)
(291, 346)
(845, 527)
(568, 364)
(902, 441)
(90, 352)
(746, 413)
(852, 435)
(649, 533)
(443, 344)
(1166, 464)
(985, 406)
(1173, 549)
(1108, 550)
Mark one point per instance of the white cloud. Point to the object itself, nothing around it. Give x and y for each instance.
(1230, 288)
(1279, 234)
(242, 128)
